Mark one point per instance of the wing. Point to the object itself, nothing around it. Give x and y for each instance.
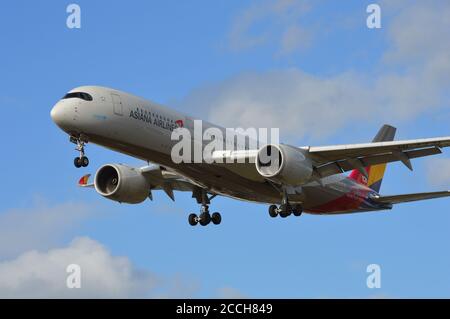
(337, 159)
(168, 181)
(330, 160)
(395, 199)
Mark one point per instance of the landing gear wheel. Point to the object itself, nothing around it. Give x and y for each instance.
(205, 219)
(193, 219)
(297, 210)
(77, 162)
(273, 211)
(284, 214)
(285, 210)
(84, 161)
(216, 218)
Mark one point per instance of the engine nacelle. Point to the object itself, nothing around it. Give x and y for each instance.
(121, 183)
(284, 164)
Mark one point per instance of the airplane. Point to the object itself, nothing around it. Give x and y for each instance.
(307, 179)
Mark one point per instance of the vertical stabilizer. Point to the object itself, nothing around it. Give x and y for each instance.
(375, 173)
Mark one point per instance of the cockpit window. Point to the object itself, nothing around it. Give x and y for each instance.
(79, 95)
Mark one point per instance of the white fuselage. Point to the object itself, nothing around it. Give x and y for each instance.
(142, 129)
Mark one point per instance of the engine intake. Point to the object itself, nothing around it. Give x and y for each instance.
(284, 164)
(121, 183)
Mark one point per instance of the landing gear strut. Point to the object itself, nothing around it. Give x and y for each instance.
(204, 218)
(81, 160)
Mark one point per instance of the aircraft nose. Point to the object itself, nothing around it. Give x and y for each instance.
(60, 116)
(57, 114)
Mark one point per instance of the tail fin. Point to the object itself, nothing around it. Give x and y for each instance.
(375, 173)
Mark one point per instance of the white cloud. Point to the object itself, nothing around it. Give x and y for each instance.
(302, 104)
(418, 31)
(412, 79)
(438, 172)
(418, 43)
(293, 100)
(265, 22)
(43, 274)
(30, 266)
(39, 226)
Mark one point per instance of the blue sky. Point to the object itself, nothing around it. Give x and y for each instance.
(311, 68)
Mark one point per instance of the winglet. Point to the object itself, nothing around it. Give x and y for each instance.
(83, 182)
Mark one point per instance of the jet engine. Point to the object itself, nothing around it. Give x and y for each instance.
(284, 164)
(121, 183)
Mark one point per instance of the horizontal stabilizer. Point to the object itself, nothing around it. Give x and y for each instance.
(396, 199)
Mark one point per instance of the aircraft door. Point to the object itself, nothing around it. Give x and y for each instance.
(117, 104)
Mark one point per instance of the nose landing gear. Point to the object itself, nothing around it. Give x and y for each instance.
(81, 160)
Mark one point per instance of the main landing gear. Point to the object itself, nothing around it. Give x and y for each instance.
(204, 218)
(81, 160)
(285, 210)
